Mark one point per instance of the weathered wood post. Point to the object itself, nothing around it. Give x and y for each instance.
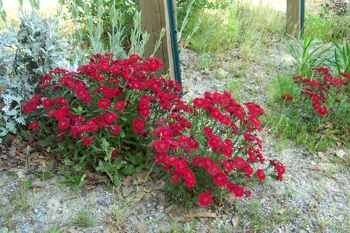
(295, 17)
(153, 21)
(155, 18)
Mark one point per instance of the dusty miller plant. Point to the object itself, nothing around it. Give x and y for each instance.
(26, 52)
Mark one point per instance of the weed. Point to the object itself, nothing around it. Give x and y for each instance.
(26, 184)
(43, 175)
(84, 219)
(19, 200)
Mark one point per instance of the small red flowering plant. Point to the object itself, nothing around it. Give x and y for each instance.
(213, 149)
(314, 109)
(323, 87)
(119, 117)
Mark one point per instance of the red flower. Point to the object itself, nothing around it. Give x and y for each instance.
(279, 169)
(205, 199)
(254, 109)
(45, 81)
(108, 92)
(237, 190)
(109, 117)
(220, 179)
(104, 103)
(114, 154)
(63, 124)
(120, 105)
(175, 179)
(346, 75)
(161, 146)
(33, 125)
(31, 105)
(260, 174)
(138, 126)
(87, 141)
(115, 130)
(227, 148)
(287, 97)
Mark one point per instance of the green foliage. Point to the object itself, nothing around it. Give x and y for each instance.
(26, 53)
(198, 5)
(236, 25)
(84, 10)
(342, 57)
(309, 53)
(106, 26)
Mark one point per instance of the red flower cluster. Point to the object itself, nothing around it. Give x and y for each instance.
(123, 101)
(100, 92)
(318, 89)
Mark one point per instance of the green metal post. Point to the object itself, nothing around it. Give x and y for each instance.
(173, 38)
(302, 17)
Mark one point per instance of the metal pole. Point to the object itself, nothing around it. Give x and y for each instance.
(173, 38)
(302, 17)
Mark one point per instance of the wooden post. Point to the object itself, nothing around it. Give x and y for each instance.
(295, 15)
(153, 21)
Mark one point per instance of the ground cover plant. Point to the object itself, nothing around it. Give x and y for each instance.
(108, 113)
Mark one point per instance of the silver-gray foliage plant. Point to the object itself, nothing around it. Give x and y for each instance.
(26, 53)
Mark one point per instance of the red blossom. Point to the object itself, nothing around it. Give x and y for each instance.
(120, 105)
(138, 126)
(109, 117)
(116, 130)
(205, 199)
(33, 125)
(260, 173)
(104, 103)
(87, 141)
(287, 97)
